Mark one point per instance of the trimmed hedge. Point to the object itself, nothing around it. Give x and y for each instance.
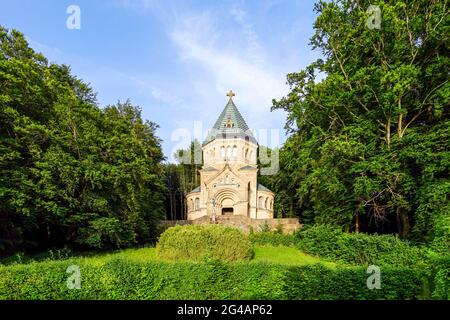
(212, 279)
(360, 248)
(318, 282)
(195, 242)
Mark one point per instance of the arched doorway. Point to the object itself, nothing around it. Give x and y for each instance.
(227, 211)
(227, 206)
(225, 201)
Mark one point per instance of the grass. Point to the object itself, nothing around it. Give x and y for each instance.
(275, 272)
(287, 256)
(281, 255)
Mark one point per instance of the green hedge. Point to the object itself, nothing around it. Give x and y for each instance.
(124, 279)
(360, 248)
(195, 242)
(318, 282)
(440, 277)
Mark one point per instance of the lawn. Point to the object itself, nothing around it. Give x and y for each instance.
(274, 254)
(281, 255)
(275, 272)
(287, 256)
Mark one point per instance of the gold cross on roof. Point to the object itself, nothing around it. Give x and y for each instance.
(230, 94)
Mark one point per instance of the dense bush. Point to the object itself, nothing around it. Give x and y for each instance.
(441, 277)
(273, 238)
(359, 248)
(196, 242)
(318, 282)
(118, 278)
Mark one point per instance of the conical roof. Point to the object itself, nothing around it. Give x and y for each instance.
(230, 124)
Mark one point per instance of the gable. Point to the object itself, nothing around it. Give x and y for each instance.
(226, 177)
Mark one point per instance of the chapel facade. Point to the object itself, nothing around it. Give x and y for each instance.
(228, 178)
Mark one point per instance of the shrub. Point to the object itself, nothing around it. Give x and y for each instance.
(273, 238)
(359, 248)
(264, 227)
(195, 242)
(441, 277)
(318, 282)
(119, 278)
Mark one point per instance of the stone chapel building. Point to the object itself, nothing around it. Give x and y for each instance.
(228, 178)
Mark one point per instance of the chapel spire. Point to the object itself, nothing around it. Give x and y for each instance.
(230, 123)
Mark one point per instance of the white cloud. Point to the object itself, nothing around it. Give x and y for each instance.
(200, 41)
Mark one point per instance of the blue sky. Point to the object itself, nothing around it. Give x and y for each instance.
(177, 59)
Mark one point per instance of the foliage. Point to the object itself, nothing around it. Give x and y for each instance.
(71, 173)
(331, 242)
(264, 226)
(137, 274)
(318, 282)
(370, 122)
(182, 178)
(441, 276)
(273, 238)
(195, 242)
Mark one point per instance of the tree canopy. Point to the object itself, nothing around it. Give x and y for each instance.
(369, 122)
(72, 174)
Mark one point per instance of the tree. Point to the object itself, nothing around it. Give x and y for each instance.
(182, 178)
(72, 174)
(369, 144)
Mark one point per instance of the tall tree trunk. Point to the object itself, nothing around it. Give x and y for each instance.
(171, 207)
(357, 222)
(403, 221)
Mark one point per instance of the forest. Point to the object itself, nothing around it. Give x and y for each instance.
(367, 151)
(72, 174)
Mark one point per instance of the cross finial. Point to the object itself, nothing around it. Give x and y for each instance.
(230, 94)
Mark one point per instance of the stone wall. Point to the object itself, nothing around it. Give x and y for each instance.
(246, 224)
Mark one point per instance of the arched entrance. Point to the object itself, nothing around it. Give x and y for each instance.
(227, 211)
(225, 201)
(227, 206)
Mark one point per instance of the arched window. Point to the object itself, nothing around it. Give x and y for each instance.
(246, 154)
(271, 204)
(222, 152)
(228, 152)
(234, 152)
(191, 205)
(197, 203)
(260, 202)
(265, 203)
